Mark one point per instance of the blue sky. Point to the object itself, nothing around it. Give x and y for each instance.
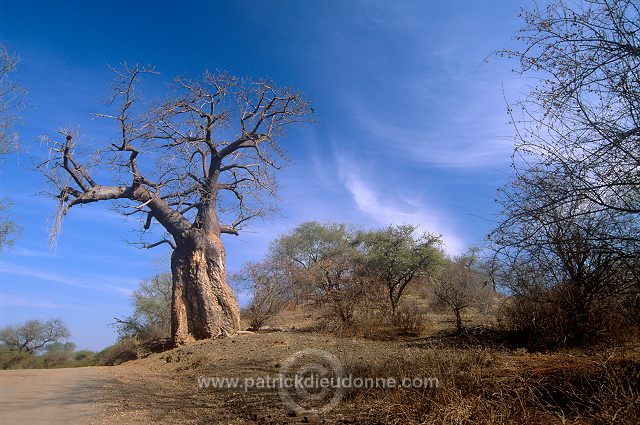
(412, 126)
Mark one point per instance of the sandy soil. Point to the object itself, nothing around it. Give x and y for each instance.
(52, 396)
(164, 388)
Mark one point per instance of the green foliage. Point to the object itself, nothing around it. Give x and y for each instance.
(11, 359)
(59, 354)
(339, 270)
(322, 270)
(312, 243)
(394, 257)
(151, 318)
(55, 355)
(84, 358)
(33, 335)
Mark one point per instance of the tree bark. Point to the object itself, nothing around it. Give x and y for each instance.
(203, 305)
(458, 321)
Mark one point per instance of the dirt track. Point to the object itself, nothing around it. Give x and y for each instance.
(48, 396)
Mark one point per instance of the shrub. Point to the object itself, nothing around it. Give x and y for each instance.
(549, 319)
(123, 351)
(408, 320)
(10, 359)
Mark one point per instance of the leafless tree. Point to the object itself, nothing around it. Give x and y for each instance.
(568, 237)
(33, 335)
(10, 102)
(270, 286)
(581, 121)
(562, 261)
(200, 164)
(459, 285)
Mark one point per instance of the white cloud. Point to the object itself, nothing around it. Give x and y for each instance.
(469, 133)
(121, 290)
(99, 283)
(26, 252)
(388, 208)
(6, 299)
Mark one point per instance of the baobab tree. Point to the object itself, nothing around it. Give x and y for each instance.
(200, 164)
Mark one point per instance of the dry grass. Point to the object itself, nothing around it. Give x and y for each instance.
(476, 385)
(490, 387)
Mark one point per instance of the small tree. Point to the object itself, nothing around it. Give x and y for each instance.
(270, 289)
(322, 258)
(151, 318)
(33, 335)
(394, 257)
(459, 286)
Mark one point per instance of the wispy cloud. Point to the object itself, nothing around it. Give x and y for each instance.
(464, 133)
(98, 283)
(388, 207)
(120, 289)
(7, 299)
(41, 275)
(26, 252)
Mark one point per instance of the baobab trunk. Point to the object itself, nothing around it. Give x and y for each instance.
(203, 305)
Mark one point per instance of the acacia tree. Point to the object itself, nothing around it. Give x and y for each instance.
(394, 257)
(322, 260)
(200, 164)
(33, 335)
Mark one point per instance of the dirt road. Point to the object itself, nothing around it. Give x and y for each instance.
(52, 396)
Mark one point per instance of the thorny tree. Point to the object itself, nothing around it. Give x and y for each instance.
(10, 102)
(582, 118)
(210, 152)
(460, 284)
(33, 335)
(269, 282)
(564, 259)
(394, 257)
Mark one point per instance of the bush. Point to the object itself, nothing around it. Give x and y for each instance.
(10, 359)
(123, 351)
(85, 358)
(549, 319)
(408, 320)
